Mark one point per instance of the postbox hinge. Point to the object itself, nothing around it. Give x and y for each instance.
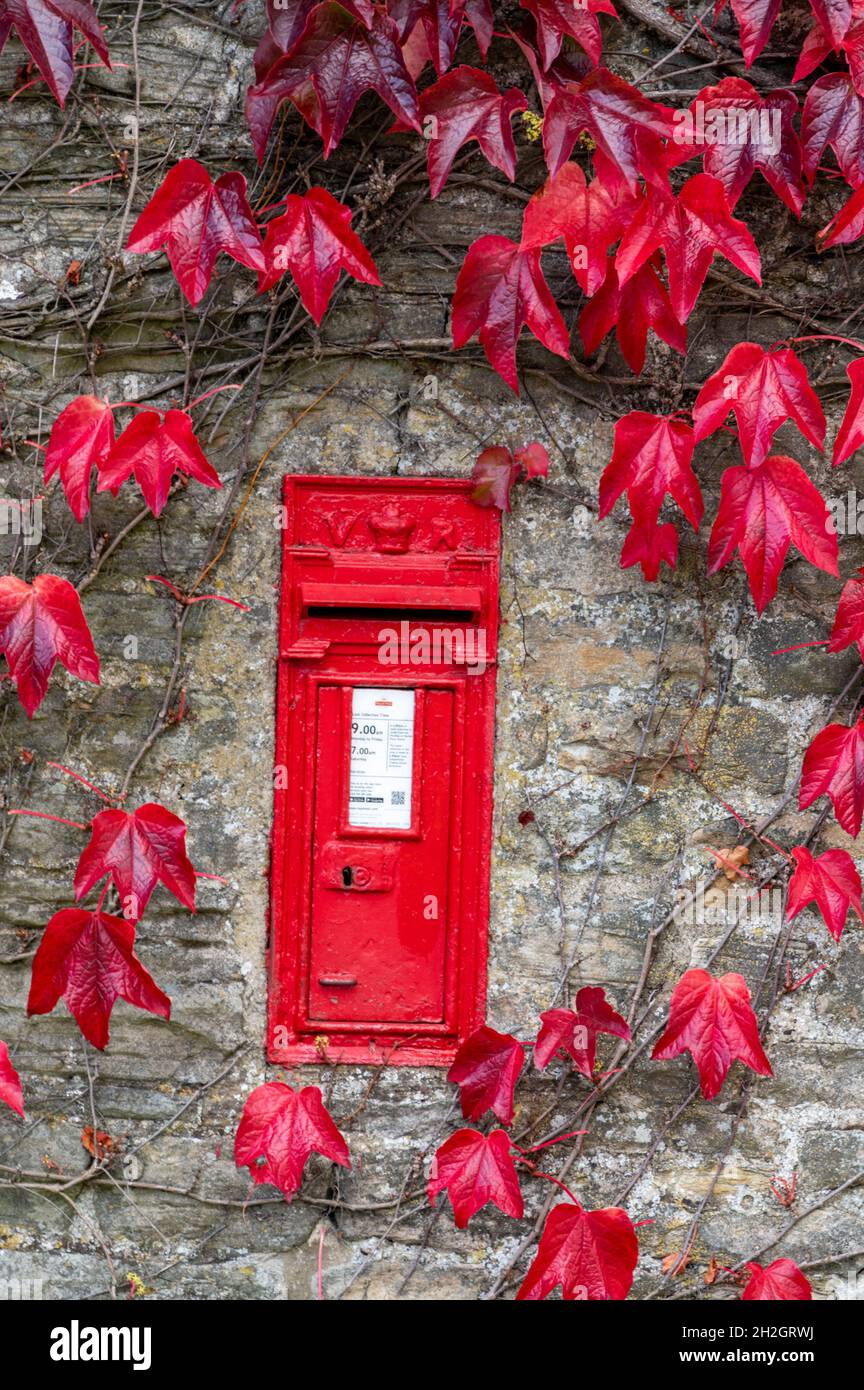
(307, 649)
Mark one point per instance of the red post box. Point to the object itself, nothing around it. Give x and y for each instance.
(383, 786)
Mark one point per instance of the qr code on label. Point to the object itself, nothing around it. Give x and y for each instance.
(397, 798)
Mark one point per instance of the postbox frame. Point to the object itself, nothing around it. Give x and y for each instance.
(469, 575)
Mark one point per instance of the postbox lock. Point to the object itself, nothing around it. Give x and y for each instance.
(367, 868)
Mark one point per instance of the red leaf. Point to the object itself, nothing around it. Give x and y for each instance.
(555, 18)
(755, 22)
(589, 216)
(496, 471)
(194, 219)
(475, 1169)
(737, 131)
(533, 459)
(626, 127)
(781, 1280)
(849, 618)
(834, 115)
(45, 29)
(591, 1254)
(11, 1093)
(467, 105)
(82, 437)
(652, 456)
(713, 1020)
(691, 229)
(313, 239)
(814, 51)
(334, 62)
(762, 511)
(137, 850)
(649, 546)
(850, 436)
(486, 1069)
(834, 16)
(280, 1128)
(499, 288)
(155, 447)
(42, 623)
(575, 1031)
(834, 765)
(764, 389)
(631, 309)
(88, 958)
(845, 226)
(831, 880)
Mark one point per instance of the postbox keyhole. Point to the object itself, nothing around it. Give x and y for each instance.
(347, 876)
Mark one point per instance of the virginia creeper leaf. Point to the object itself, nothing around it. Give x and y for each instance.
(467, 105)
(591, 1254)
(589, 216)
(834, 766)
(313, 239)
(650, 546)
(155, 447)
(781, 1280)
(713, 1020)
(763, 389)
(626, 127)
(575, 1031)
(576, 18)
(42, 623)
(486, 1069)
(280, 1129)
(641, 303)
(834, 17)
(834, 115)
(845, 226)
(652, 456)
(137, 850)
(474, 1169)
(755, 22)
(850, 436)
(831, 880)
(81, 439)
(11, 1093)
(496, 470)
(849, 618)
(45, 29)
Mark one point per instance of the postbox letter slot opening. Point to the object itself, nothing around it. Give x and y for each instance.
(350, 612)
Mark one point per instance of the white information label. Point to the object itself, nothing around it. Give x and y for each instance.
(382, 758)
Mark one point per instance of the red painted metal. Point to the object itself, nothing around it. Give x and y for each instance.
(389, 615)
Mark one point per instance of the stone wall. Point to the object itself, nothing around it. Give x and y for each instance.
(608, 687)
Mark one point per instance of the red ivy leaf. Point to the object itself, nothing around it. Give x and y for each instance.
(467, 105)
(486, 1069)
(591, 1254)
(626, 127)
(834, 115)
(313, 239)
(194, 219)
(762, 512)
(691, 229)
(42, 623)
(631, 309)
(764, 389)
(88, 958)
(45, 29)
(755, 22)
(831, 880)
(279, 1130)
(11, 1093)
(850, 436)
(499, 288)
(155, 447)
(575, 1031)
(652, 456)
(496, 471)
(834, 765)
(589, 216)
(534, 461)
(576, 18)
(713, 1020)
(781, 1280)
(334, 62)
(834, 17)
(137, 850)
(475, 1169)
(845, 226)
(650, 546)
(82, 437)
(849, 618)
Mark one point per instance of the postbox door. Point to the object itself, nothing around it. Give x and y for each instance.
(381, 846)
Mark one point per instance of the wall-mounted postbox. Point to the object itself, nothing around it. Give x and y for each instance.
(383, 786)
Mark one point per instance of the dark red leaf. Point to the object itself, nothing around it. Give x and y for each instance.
(849, 618)
(850, 436)
(574, 1031)
(591, 1254)
(155, 447)
(650, 546)
(11, 1093)
(467, 105)
(831, 880)
(475, 1169)
(834, 115)
(42, 623)
(493, 476)
(533, 459)
(194, 219)
(781, 1280)
(576, 18)
(845, 226)
(45, 29)
(137, 850)
(88, 959)
(834, 766)
(486, 1069)
(755, 22)
(652, 456)
(642, 303)
(313, 239)
(762, 512)
(82, 437)
(626, 127)
(713, 1020)
(834, 17)
(764, 390)
(279, 1131)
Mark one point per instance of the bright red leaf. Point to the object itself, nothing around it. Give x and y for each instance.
(641, 303)
(574, 1031)
(755, 22)
(45, 29)
(591, 1254)
(849, 618)
(81, 439)
(499, 289)
(42, 623)
(333, 63)
(280, 1129)
(589, 216)
(12, 1095)
(713, 1020)
(764, 390)
(833, 116)
(781, 1280)
(474, 1169)
(486, 1069)
(652, 456)
(834, 766)
(691, 229)
(834, 17)
(650, 546)
(575, 18)
(155, 447)
(845, 226)
(850, 436)
(831, 880)
(313, 239)
(626, 127)
(762, 512)
(194, 219)
(467, 105)
(137, 850)
(88, 959)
